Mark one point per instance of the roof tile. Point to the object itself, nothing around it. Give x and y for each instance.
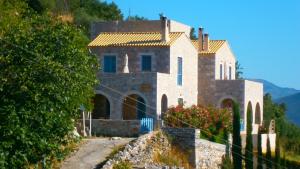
(133, 39)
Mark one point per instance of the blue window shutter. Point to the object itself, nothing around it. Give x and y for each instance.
(146, 62)
(110, 64)
(179, 71)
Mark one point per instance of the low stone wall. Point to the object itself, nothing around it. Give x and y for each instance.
(203, 154)
(112, 128)
(209, 154)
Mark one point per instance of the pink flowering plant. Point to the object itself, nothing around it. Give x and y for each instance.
(213, 123)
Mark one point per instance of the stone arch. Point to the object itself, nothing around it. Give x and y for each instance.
(102, 107)
(164, 104)
(257, 114)
(133, 107)
(227, 104)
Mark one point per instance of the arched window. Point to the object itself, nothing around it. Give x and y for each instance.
(101, 107)
(164, 105)
(134, 107)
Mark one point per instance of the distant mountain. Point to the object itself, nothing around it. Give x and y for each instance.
(289, 96)
(293, 107)
(276, 91)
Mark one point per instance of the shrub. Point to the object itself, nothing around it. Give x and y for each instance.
(123, 165)
(175, 156)
(212, 121)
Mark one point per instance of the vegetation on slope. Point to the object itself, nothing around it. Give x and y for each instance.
(289, 134)
(46, 73)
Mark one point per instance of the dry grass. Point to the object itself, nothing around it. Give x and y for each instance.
(66, 18)
(173, 157)
(123, 165)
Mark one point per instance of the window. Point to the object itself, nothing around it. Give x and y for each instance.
(146, 63)
(180, 101)
(179, 71)
(221, 71)
(109, 64)
(230, 72)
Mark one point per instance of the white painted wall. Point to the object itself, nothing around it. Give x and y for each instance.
(167, 83)
(225, 57)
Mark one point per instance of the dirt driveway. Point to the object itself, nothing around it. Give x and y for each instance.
(92, 153)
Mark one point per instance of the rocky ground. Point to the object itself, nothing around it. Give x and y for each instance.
(140, 152)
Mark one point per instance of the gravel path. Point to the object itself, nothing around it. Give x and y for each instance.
(92, 152)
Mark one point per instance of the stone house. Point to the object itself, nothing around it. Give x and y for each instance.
(148, 66)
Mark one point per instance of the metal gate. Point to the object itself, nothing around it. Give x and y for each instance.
(146, 125)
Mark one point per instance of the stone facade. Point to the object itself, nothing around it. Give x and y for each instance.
(120, 128)
(204, 82)
(212, 90)
(136, 26)
(162, 80)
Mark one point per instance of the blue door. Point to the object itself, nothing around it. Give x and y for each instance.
(146, 125)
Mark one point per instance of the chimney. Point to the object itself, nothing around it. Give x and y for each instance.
(206, 42)
(200, 39)
(164, 29)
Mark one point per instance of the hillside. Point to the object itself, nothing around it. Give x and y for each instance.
(293, 107)
(276, 91)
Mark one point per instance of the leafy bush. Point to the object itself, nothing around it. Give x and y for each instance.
(213, 122)
(46, 73)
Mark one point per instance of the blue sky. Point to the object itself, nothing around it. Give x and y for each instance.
(263, 34)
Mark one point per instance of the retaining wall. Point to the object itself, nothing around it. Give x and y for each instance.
(116, 128)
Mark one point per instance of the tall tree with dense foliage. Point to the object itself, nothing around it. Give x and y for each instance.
(80, 12)
(236, 138)
(268, 154)
(249, 144)
(46, 73)
(259, 150)
(277, 152)
(238, 70)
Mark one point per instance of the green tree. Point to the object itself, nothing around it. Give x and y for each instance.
(46, 73)
(277, 152)
(249, 144)
(259, 151)
(238, 70)
(193, 34)
(268, 154)
(136, 18)
(236, 138)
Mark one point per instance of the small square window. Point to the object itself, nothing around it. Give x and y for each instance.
(109, 65)
(180, 101)
(146, 63)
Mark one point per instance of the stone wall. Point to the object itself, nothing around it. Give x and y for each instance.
(113, 128)
(136, 26)
(203, 154)
(209, 154)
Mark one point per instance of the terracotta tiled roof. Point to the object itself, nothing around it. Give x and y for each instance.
(133, 39)
(214, 46)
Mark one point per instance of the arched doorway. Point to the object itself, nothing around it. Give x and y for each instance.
(101, 107)
(134, 107)
(257, 114)
(164, 104)
(227, 104)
